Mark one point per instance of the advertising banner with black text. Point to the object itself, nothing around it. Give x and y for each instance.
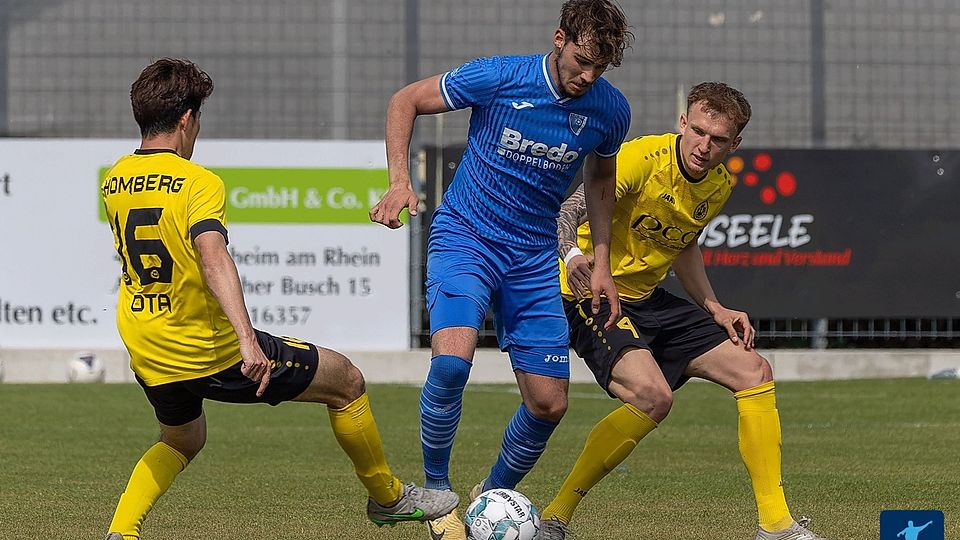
(311, 263)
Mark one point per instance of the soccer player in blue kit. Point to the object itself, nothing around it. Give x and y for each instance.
(535, 119)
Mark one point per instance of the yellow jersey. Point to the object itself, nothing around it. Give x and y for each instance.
(659, 210)
(169, 320)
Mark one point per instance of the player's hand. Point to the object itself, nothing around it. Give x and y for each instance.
(387, 211)
(255, 364)
(601, 284)
(579, 270)
(736, 323)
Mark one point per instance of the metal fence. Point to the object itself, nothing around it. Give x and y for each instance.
(843, 73)
(861, 333)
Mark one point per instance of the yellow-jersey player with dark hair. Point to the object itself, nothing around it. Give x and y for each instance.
(182, 316)
(172, 324)
(669, 187)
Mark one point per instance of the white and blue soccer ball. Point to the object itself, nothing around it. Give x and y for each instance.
(502, 514)
(86, 367)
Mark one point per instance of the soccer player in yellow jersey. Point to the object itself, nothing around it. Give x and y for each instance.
(182, 316)
(669, 187)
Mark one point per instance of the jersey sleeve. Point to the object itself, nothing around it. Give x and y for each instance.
(619, 126)
(206, 206)
(633, 166)
(473, 84)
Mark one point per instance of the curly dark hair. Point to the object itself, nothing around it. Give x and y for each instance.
(601, 25)
(164, 91)
(722, 99)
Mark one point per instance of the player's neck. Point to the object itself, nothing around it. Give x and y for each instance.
(554, 70)
(163, 142)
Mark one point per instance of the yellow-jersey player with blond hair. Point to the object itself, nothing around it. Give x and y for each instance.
(669, 187)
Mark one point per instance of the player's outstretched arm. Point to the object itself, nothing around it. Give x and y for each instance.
(600, 181)
(224, 281)
(693, 277)
(421, 97)
(573, 213)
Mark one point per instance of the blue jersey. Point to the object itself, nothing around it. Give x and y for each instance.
(526, 142)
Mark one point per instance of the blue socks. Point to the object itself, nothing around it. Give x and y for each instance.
(441, 401)
(523, 442)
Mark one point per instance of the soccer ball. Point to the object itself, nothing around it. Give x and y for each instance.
(85, 367)
(502, 514)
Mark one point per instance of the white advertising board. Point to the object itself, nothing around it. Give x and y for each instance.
(312, 264)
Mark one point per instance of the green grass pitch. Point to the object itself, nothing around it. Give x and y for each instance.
(850, 450)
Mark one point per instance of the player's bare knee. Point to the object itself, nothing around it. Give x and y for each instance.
(188, 442)
(354, 384)
(654, 401)
(336, 383)
(548, 407)
(751, 370)
(459, 341)
(766, 371)
(756, 371)
(346, 379)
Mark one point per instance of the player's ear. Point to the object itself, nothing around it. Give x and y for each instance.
(682, 123)
(735, 145)
(184, 120)
(559, 38)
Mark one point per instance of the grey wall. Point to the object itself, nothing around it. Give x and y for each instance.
(325, 69)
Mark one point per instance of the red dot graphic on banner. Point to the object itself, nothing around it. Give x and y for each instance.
(786, 183)
(762, 162)
(768, 195)
(751, 179)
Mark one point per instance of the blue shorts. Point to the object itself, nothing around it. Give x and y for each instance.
(466, 274)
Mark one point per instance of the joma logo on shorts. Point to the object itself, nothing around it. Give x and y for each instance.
(559, 358)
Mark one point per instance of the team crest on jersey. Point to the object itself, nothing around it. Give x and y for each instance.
(577, 121)
(701, 211)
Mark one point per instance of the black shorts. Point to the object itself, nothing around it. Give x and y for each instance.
(294, 364)
(674, 330)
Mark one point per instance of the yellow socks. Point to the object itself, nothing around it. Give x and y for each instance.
(614, 437)
(151, 477)
(759, 436)
(608, 444)
(356, 431)
(353, 426)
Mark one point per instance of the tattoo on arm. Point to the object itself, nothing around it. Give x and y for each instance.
(573, 213)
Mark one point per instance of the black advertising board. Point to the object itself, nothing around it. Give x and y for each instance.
(838, 234)
(828, 233)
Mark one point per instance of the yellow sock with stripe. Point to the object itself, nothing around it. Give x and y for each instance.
(151, 478)
(607, 445)
(759, 436)
(356, 431)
